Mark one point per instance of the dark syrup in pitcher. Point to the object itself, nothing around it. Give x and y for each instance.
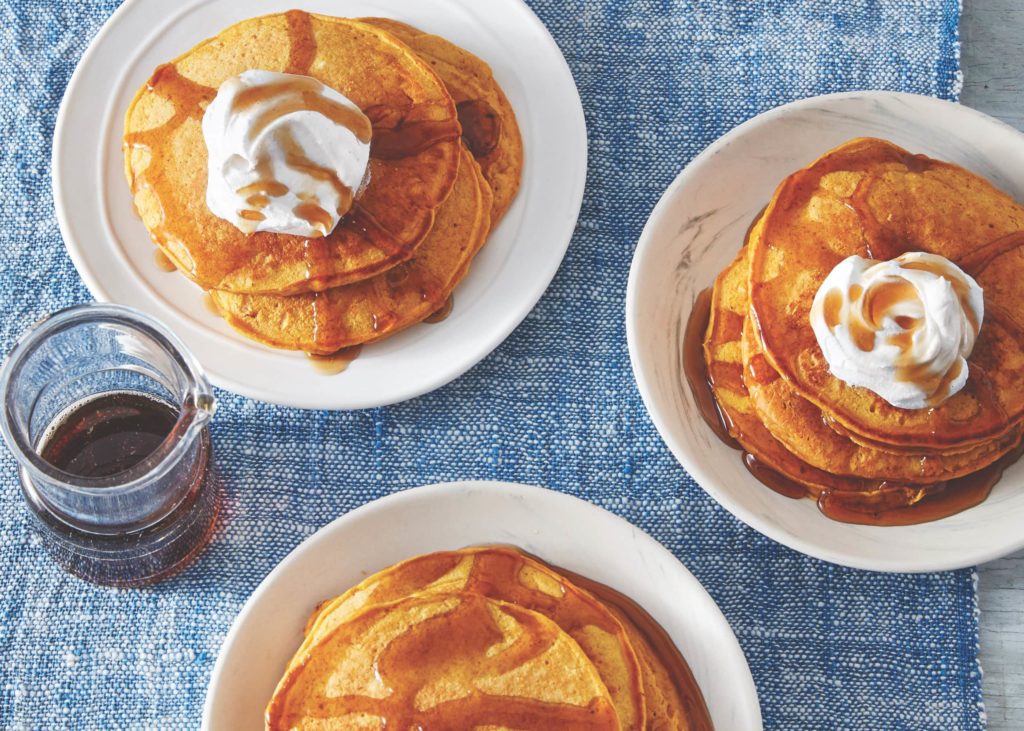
(103, 437)
(109, 434)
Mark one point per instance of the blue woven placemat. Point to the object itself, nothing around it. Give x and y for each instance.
(830, 648)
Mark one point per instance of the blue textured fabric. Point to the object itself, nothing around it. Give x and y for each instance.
(830, 648)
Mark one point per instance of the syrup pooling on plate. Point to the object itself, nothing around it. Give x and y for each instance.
(163, 263)
(696, 371)
(339, 362)
(442, 314)
(714, 416)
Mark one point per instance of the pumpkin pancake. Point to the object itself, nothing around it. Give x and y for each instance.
(322, 323)
(801, 428)
(505, 574)
(786, 434)
(871, 198)
(489, 126)
(724, 357)
(450, 661)
(799, 425)
(415, 154)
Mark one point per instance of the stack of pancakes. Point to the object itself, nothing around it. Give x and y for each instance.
(446, 160)
(484, 638)
(804, 430)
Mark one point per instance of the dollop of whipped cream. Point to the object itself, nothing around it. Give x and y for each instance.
(286, 153)
(902, 328)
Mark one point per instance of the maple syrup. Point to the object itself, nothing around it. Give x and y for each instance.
(108, 435)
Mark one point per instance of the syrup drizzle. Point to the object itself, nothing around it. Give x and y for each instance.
(481, 126)
(189, 101)
(396, 136)
(661, 645)
(845, 499)
(301, 95)
(301, 43)
(463, 636)
(397, 133)
(496, 572)
(869, 309)
(362, 220)
(291, 96)
(978, 261)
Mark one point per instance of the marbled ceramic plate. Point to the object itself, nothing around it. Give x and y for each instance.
(112, 250)
(560, 529)
(696, 230)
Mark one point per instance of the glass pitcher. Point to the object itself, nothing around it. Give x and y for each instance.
(148, 521)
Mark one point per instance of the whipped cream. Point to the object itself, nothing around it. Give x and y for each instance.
(902, 328)
(286, 153)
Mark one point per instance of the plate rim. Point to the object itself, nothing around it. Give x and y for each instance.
(765, 526)
(484, 343)
(323, 537)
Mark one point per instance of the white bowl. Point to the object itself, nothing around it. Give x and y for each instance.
(113, 253)
(696, 230)
(559, 528)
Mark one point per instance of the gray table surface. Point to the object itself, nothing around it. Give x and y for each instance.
(992, 35)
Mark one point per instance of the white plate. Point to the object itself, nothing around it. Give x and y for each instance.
(696, 230)
(113, 253)
(559, 528)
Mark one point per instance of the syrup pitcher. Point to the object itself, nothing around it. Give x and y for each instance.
(107, 414)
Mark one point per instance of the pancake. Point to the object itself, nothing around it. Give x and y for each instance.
(415, 155)
(799, 425)
(322, 323)
(790, 447)
(871, 198)
(489, 126)
(724, 357)
(505, 574)
(674, 700)
(450, 661)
